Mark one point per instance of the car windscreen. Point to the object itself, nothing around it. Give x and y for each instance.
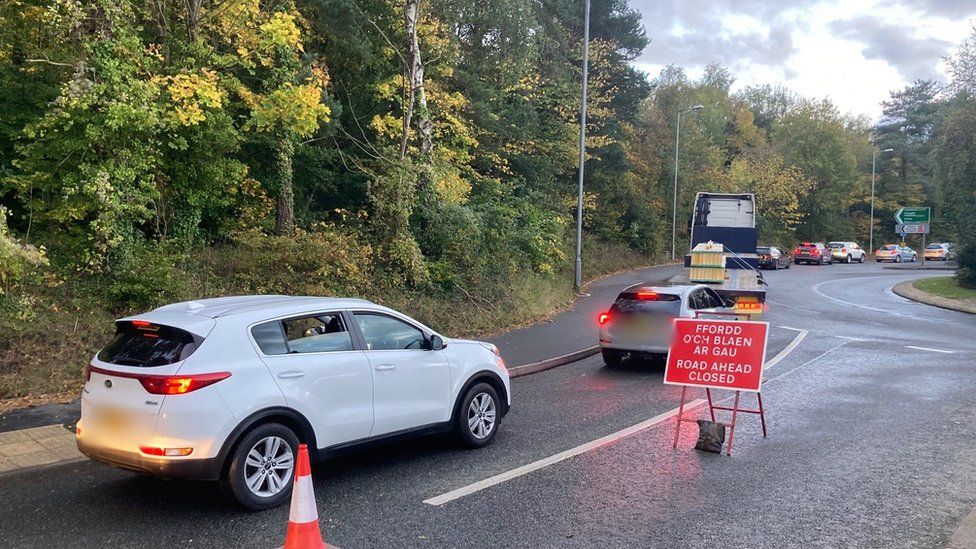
(659, 304)
(140, 343)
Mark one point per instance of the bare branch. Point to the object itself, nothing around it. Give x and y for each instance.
(49, 62)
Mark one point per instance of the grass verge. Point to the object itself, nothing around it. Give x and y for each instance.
(945, 286)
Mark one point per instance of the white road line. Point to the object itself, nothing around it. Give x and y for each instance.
(536, 465)
(849, 338)
(930, 349)
(786, 350)
(582, 448)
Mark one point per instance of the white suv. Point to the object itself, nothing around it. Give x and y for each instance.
(225, 389)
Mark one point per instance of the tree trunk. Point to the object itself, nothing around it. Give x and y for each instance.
(425, 175)
(285, 196)
(415, 76)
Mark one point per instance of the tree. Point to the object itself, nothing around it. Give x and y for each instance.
(813, 138)
(955, 166)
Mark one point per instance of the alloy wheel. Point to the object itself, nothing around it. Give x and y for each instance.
(269, 466)
(481, 415)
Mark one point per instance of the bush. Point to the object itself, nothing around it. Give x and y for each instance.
(147, 277)
(324, 261)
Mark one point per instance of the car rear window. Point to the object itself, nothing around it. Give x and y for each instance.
(836, 245)
(763, 250)
(934, 247)
(807, 245)
(889, 247)
(637, 302)
(140, 343)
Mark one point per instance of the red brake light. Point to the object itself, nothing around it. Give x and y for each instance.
(604, 318)
(648, 295)
(178, 385)
(843, 250)
(88, 371)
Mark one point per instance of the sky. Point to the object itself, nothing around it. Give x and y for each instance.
(854, 52)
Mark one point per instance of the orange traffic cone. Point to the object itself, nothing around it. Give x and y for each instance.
(303, 520)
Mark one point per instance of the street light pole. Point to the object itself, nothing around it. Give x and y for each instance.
(674, 195)
(578, 278)
(874, 161)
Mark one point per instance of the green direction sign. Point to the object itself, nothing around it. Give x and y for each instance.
(913, 215)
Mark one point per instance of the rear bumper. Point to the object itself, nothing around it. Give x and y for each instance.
(186, 468)
(636, 348)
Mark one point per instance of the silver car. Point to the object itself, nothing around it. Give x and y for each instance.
(895, 254)
(641, 320)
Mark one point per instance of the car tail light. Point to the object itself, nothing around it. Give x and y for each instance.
(604, 318)
(88, 371)
(178, 385)
(796, 251)
(156, 451)
(165, 385)
(647, 295)
(843, 250)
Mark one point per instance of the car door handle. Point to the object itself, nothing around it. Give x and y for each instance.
(383, 367)
(291, 374)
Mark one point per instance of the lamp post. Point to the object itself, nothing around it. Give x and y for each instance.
(874, 161)
(578, 275)
(674, 197)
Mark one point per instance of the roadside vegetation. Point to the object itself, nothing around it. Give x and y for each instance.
(945, 286)
(420, 154)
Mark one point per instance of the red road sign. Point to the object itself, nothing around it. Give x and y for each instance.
(718, 354)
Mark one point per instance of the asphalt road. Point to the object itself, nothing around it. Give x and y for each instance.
(871, 423)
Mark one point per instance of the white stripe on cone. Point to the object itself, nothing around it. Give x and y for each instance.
(303, 502)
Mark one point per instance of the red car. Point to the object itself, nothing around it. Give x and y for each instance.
(812, 252)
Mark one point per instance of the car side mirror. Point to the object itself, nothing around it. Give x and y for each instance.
(435, 343)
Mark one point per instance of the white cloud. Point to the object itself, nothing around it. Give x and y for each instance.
(851, 51)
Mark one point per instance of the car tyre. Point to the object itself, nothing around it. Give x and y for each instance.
(861, 259)
(612, 357)
(914, 258)
(897, 259)
(848, 260)
(479, 416)
(261, 442)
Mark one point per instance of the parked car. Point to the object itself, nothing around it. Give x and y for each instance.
(773, 257)
(225, 389)
(895, 254)
(812, 252)
(641, 320)
(846, 252)
(937, 252)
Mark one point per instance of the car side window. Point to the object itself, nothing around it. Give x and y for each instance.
(270, 338)
(385, 333)
(320, 333)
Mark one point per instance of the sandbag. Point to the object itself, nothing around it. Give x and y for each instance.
(711, 436)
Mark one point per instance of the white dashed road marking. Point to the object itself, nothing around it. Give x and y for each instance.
(929, 349)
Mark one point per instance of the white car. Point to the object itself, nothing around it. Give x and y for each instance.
(225, 389)
(846, 252)
(641, 320)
